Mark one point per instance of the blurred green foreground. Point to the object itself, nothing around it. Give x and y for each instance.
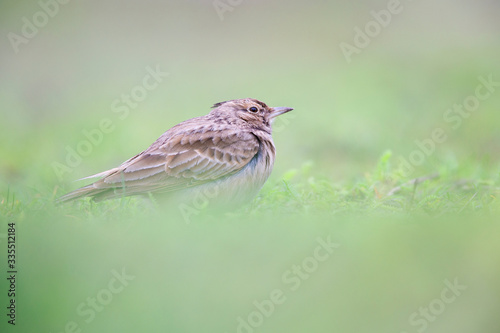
(281, 274)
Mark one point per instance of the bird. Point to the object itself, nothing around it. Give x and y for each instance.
(228, 152)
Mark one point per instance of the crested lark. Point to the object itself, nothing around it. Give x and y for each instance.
(229, 152)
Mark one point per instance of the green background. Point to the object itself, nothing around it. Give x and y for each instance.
(331, 179)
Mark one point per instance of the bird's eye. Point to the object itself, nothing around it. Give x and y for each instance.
(253, 109)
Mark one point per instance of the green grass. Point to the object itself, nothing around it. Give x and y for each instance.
(383, 190)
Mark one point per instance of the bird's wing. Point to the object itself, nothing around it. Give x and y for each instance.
(183, 159)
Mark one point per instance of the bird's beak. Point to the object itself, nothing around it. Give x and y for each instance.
(278, 111)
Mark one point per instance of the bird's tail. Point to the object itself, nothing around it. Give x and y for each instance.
(86, 191)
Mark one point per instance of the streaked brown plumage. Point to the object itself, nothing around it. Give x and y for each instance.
(229, 151)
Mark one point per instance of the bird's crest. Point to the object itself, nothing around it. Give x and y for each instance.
(216, 105)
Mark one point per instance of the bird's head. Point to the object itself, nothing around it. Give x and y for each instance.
(250, 110)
